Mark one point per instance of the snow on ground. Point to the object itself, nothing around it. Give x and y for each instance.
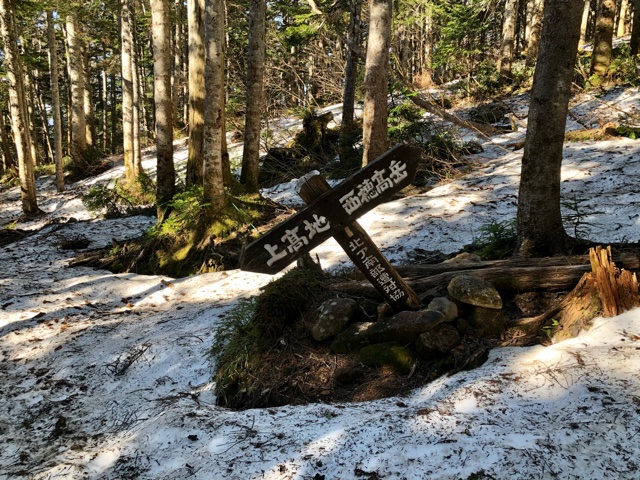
(108, 376)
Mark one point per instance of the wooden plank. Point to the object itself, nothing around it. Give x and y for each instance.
(332, 211)
(359, 247)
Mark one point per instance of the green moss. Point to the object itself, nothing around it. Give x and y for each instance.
(401, 359)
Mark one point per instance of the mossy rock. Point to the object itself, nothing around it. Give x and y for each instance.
(401, 359)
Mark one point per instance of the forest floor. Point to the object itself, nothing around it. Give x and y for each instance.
(109, 376)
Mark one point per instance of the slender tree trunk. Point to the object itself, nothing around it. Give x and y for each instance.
(46, 140)
(508, 37)
(17, 102)
(603, 38)
(76, 80)
(540, 228)
(7, 154)
(113, 130)
(161, 36)
(105, 110)
(347, 127)
(622, 18)
(534, 32)
(375, 140)
(634, 43)
(89, 110)
(213, 183)
(55, 95)
(126, 49)
(195, 13)
(584, 26)
(255, 95)
(135, 81)
(29, 99)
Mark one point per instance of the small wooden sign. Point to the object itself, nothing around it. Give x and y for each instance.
(332, 211)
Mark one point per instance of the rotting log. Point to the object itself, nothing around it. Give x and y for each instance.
(606, 290)
(513, 275)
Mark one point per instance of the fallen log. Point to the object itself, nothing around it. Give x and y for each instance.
(606, 290)
(512, 275)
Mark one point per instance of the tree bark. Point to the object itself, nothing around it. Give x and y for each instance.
(195, 13)
(89, 110)
(76, 80)
(622, 18)
(535, 27)
(375, 114)
(136, 98)
(603, 38)
(347, 126)
(255, 95)
(540, 228)
(213, 180)
(7, 154)
(161, 38)
(508, 38)
(126, 49)
(514, 275)
(585, 22)
(634, 43)
(17, 102)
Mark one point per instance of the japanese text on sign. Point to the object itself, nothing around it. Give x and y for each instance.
(371, 188)
(376, 270)
(294, 241)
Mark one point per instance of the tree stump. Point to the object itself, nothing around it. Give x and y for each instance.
(606, 290)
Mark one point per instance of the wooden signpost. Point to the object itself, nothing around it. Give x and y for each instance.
(334, 213)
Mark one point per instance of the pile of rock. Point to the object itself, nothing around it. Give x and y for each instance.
(472, 306)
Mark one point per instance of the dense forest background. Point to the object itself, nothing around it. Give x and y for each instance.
(84, 80)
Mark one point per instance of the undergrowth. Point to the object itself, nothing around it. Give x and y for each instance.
(495, 240)
(252, 347)
(122, 200)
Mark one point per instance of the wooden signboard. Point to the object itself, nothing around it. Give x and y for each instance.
(334, 213)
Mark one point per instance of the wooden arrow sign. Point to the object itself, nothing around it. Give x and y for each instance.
(332, 211)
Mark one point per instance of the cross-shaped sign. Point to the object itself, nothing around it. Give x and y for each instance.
(333, 213)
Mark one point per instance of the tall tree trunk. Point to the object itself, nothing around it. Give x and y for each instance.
(126, 50)
(540, 228)
(105, 108)
(76, 79)
(535, 26)
(213, 183)
(374, 124)
(176, 78)
(195, 13)
(29, 99)
(135, 81)
(603, 38)
(584, 26)
(161, 36)
(17, 102)
(255, 95)
(634, 43)
(89, 110)
(347, 127)
(7, 154)
(55, 95)
(113, 130)
(508, 38)
(622, 18)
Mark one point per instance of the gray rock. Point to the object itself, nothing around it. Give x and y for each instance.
(475, 291)
(438, 342)
(352, 339)
(404, 327)
(399, 358)
(333, 316)
(444, 306)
